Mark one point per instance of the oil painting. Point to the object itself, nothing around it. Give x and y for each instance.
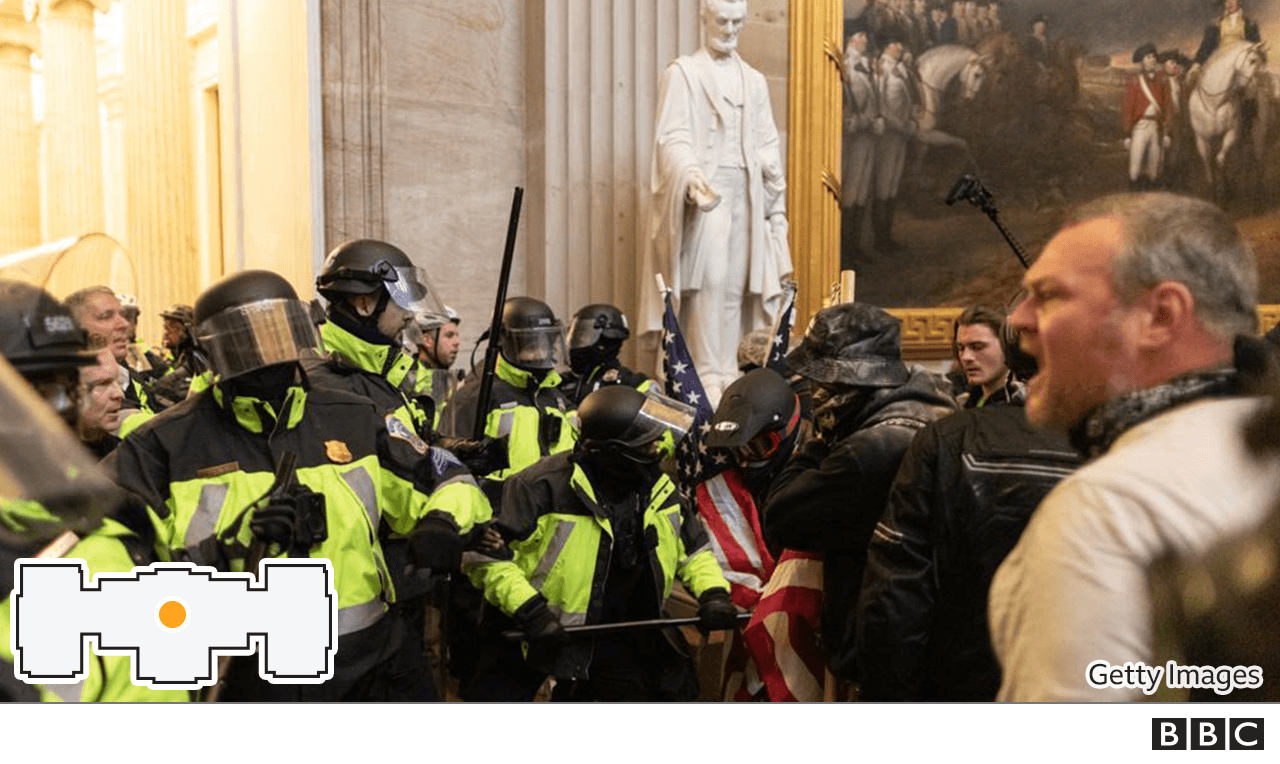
(960, 113)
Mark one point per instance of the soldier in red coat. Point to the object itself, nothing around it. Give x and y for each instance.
(1147, 115)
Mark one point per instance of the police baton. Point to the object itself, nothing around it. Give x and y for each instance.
(495, 325)
(596, 629)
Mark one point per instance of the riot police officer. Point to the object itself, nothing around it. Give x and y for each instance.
(202, 471)
(526, 407)
(595, 339)
(599, 535)
(374, 292)
(436, 346)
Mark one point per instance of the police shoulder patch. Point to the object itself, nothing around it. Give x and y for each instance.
(443, 460)
(398, 429)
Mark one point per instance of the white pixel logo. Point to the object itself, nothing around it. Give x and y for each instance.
(175, 620)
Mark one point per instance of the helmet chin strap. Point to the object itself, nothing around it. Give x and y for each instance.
(354, 315)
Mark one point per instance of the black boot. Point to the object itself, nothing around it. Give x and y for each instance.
(889, 205)
(882, 226)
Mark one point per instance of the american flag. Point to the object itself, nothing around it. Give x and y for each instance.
(782, 334)
(694, 461)
(783, 635)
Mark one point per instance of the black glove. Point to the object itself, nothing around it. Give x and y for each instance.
(480, 455)
(716, 611)
(436, 544)
(274, 521)
(546, 636)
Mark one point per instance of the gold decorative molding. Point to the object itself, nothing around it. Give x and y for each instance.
(926, 332)
(1268, 316)
(813, 149)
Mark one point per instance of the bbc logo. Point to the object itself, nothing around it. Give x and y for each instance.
(1206, 734)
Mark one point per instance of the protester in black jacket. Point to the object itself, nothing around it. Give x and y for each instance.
(868, 406)
(966, 489)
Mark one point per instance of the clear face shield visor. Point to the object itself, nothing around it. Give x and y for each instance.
(658, 415)
(585, 332)
(411, 289)
(249, 337)
(48, 482)
(537, 348)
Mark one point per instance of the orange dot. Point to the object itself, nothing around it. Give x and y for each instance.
(172, 614)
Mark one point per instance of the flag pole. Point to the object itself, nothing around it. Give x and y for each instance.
(662, 286)
(789, 287)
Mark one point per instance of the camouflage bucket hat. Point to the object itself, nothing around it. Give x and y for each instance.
(852, 344)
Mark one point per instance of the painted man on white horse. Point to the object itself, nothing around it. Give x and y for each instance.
(1230, 105)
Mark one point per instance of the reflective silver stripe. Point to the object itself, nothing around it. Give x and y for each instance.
(568, 619)
(554, 549)
(506, 420)
(205, 521)
(362, 484)
(461, 477)
(704, 548)
(69, 693)
(359, 617)
(478, 558)
(674, 519)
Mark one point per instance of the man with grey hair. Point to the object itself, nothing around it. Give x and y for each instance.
(1141, 313)
(98, 311)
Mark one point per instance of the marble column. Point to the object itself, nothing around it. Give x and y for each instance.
(19, 142)
(593, 70)
(158, 154)
(354, 119)
(114, 175)
(73, 173)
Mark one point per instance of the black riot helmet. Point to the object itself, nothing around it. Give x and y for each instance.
(369, 266)
(756, 415)
(596, 322)
(622, 421)
(251, 320)
(38, 333)
(532, 336)
(39, 337)
(596, 335)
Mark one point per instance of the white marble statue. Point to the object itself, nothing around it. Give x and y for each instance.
(719, 225)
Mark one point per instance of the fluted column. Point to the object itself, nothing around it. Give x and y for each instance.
(593, 70)
(73, 191)
(354, 120)
(19, 142)
(158, 152)
(114, 175)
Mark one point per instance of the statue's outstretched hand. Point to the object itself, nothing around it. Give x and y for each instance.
(701, 193)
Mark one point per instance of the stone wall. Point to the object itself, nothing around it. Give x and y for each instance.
(434, 110)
